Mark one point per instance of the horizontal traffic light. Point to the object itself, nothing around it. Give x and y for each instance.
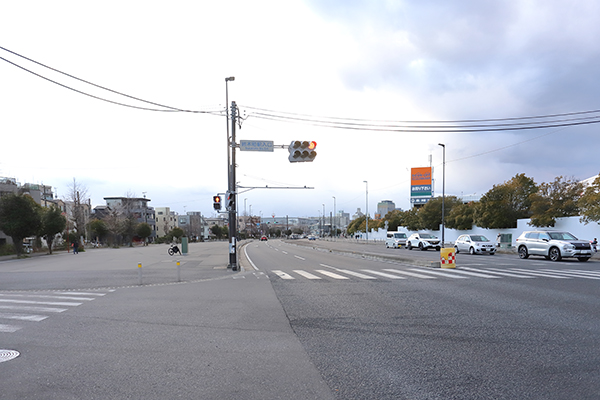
(302, 151)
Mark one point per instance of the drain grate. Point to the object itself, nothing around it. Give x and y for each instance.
(7, 355)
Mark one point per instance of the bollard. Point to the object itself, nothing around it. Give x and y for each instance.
(178, 272)
(448, 258)
(140, 272)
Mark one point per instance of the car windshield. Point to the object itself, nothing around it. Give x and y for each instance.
(561, 236)
(427, 236)
(479, 238)
(400, 235)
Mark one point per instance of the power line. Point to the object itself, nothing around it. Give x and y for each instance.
(166, 108)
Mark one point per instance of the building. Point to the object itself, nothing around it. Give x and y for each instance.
(165, 220)
(136, 207)
(194, 225)
(384, 207)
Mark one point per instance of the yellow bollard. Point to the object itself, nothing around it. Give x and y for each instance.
(448, 257)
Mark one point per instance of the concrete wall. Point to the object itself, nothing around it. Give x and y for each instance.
(570, 224)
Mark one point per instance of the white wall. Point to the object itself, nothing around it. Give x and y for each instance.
(570, 224)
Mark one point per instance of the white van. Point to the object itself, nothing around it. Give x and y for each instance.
(395, 240)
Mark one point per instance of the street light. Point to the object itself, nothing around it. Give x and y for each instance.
(334, 217)
(443, 188)
(367, 213)
(323, 220)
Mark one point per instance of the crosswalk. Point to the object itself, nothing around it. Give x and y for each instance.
(327, 272)
(19, 309)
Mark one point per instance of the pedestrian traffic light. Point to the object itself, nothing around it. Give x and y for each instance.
(217, 202)
(230, 201)
(302, 151)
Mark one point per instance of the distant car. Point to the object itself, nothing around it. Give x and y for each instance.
(263, 238)
(423, 241)
(311, 237)
(554, 245)
(395, 240)
(474, 244)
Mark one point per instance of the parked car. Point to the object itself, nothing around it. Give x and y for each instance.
(423, 241)
(474, 244)
(311, 237)
(554, 245)
(263, 238)
(395, 240)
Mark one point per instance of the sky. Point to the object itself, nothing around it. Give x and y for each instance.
(422, 60)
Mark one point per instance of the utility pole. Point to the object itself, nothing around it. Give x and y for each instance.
(233, 262)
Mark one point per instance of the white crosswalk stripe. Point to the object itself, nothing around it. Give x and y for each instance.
(31, 307)
(427, 273)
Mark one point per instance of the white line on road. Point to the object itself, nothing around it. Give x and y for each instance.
(33, 309)
(528, 272)
(348, 272)
(300, 258)
(47, 303)
(440, 273)
(23, 317)
(282, 274)
(9, 328)
(413, 274)
(331, 274)
(49, 297)
(488, 271)
(476, 274)
(383, 274)
(306, 274)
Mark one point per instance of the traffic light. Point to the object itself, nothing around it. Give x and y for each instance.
(302, 151)
(217, 202)
(230, 201)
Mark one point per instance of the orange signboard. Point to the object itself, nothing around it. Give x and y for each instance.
(420, 176)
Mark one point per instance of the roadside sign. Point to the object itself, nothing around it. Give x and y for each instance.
(256, 145)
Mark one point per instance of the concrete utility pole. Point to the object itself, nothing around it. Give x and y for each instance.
(233, 260)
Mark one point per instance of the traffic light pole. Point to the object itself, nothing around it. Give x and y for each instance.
(233, 256)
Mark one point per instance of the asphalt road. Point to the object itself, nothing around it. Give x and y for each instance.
(497, 327)
(304, 320)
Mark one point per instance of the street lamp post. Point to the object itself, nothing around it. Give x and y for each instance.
(443, 188)
(367, 210)
(323, 235)
(334, 218)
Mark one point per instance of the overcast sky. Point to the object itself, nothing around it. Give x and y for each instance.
(425, 60)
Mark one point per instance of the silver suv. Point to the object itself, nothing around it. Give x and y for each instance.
(423, 241)
(554, 245)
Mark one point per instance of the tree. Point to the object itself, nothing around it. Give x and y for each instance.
(411, 221)
(78, 195)
(217, 231)
(589, 203)
(143, 231)
(461, 216)
(431, 213)
(20, 217)
(504, 204)
(99, 229)
(394, 219)
(555, 200)
(177, 233)
(53, 223)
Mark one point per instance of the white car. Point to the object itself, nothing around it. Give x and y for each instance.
(423, 241)
(395, 240)
(474, 244)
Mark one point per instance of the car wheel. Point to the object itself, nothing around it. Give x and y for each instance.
(437, 248)
(387, 246)
(421, 247)
(471, 251)
(523, 252)
(583, 259)
(456, 250)
(409, 246)
(555, 254)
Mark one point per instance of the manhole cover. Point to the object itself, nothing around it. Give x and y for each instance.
(7, 355)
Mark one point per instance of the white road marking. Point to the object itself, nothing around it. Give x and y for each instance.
(426, 271)
(348, 272)
(282, 274)
(413, 274)
(9, 328)
(307, 275)
(528, 272)
(33, 309)
(300, 258)
(571, 274)
(489, 271)
(383, 274)
(476, 274)
(23, 317)
(331, 274)
(47, 303)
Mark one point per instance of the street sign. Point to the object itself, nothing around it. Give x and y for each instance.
(256, 145)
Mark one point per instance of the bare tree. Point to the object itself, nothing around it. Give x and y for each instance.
(78, 196)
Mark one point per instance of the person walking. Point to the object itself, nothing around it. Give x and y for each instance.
(595, 245)
(75, 247)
